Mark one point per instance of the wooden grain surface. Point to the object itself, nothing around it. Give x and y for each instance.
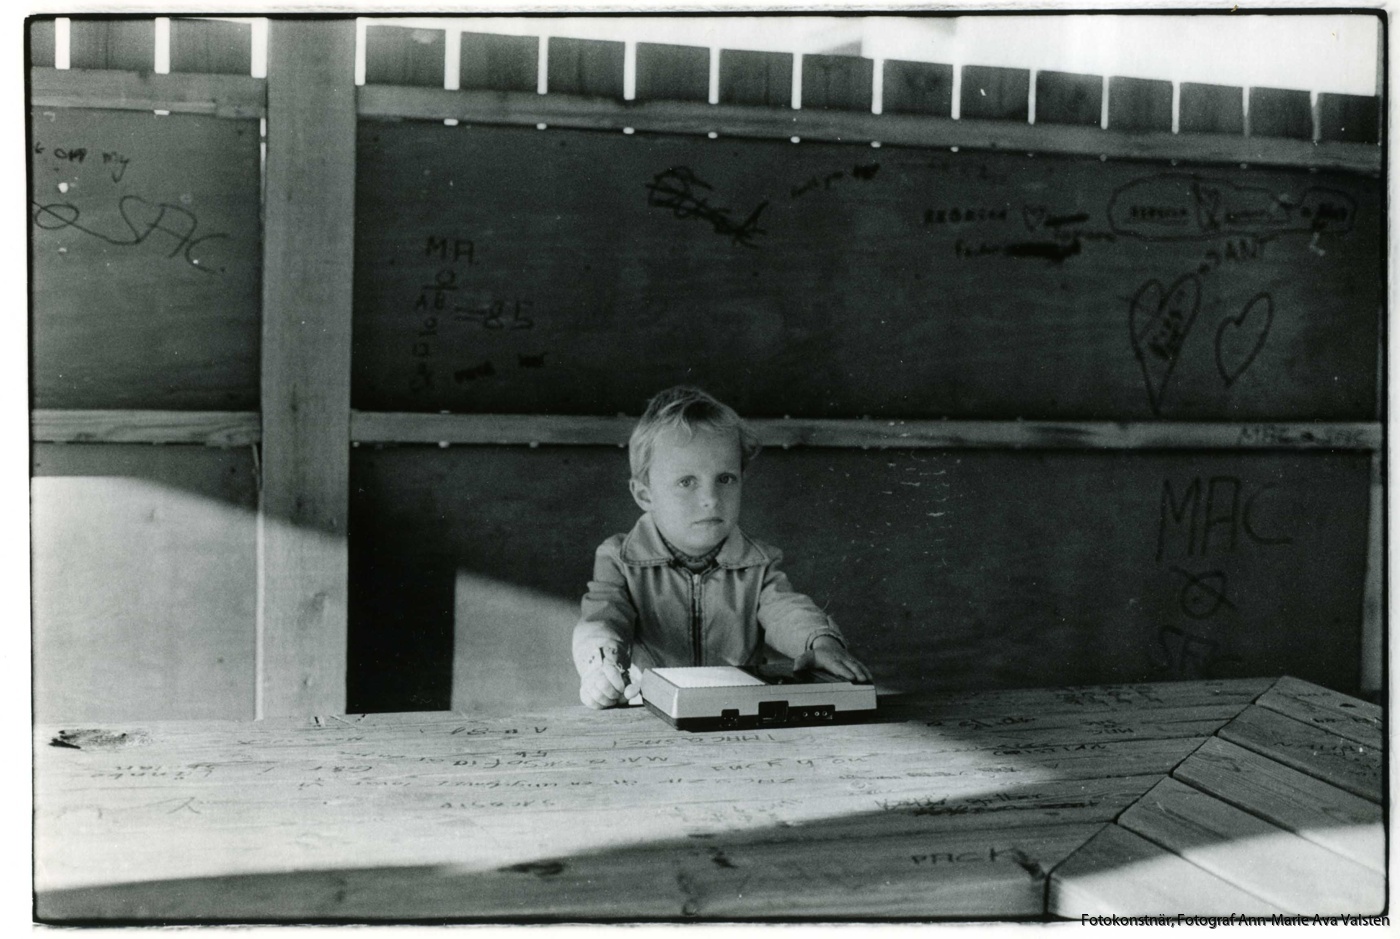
(232, 96)
(547, 786)
(1292, 873)
(1121, 873)
(146, 234)
(214, 428)
(1375, 607)
(305, 370)
(943, 806)
(1336, 760)
(1358, 725)
(772, 118)
(890, 878)
(535, 429)
(1321, 701)
(1334, 818)
(1108, 568)
(826, 280)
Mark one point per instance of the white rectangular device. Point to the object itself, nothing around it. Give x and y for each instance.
(728, 696)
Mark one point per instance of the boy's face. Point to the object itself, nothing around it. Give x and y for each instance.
(693, 487)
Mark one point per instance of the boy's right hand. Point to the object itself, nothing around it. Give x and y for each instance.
(605, 685)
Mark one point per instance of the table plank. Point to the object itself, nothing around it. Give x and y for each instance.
(1343, 704)
(612, 729)
(1078, 699)
(1218, 697)
(1193, 721)
(1253, 854)
(1351, 766)
(1326, 710)
(1323, 814)
(1123, 873)
(290, 754)
(974, 874)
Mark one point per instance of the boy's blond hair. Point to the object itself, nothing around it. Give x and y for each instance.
(688, 408)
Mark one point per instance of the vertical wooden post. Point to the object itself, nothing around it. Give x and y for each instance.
(307, 269)
(1373, 646)
(1376, 586)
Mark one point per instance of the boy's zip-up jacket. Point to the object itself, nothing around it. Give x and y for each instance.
(642, 599)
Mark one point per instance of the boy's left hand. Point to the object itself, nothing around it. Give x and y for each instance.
(830, 656)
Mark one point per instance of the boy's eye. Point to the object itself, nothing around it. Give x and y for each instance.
(728, 478)
(687, 482)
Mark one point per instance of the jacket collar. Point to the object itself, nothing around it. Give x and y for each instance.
(643, 547)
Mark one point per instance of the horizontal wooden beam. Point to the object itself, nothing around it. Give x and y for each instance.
(404, 427)
(212, 428)
(531, 429)
(237, 96)
(239, 428)
(689, 117)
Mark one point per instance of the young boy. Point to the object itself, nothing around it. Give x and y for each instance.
(686, 586)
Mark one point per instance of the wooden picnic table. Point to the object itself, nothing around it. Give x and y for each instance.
(1253, 796)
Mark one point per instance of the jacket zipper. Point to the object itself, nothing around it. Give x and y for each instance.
(697, 647)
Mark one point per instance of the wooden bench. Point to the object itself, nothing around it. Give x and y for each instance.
(1254, 796)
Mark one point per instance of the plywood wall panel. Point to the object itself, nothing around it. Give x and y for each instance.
(946, 569)
(146, 236)
(144, 582)
(829, 280)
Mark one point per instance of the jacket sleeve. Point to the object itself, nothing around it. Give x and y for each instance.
(791, 621)
(609, 618)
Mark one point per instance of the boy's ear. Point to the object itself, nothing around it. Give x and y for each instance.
(640, 494)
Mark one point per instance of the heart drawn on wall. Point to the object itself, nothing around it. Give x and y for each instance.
(1239, 339)
(1159, 320)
